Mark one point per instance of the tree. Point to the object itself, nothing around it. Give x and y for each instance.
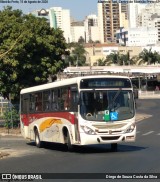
(30, 51)
(77, 54)
(81, 40)
(120, 59)
(125, 59)
(113, 58)
(148, 57)
(100, 62)
(8, 114)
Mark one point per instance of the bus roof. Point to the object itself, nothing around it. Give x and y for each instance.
(66, 82)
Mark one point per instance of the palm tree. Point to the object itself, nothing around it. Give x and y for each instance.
(113, 58)
(101, 62)
(125, 59)
(148, 57)
(156, 58)
(77, 55)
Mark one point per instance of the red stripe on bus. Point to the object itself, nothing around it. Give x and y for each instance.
(30, 118)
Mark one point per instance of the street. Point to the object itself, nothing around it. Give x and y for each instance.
(139, 157)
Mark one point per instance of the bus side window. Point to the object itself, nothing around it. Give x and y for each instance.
(54, 100)
(24, 103)
(38, 103)
(74, 101)
(32, 102)
(65, 102)
(46, 100)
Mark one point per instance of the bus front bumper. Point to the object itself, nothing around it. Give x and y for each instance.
(107, 139)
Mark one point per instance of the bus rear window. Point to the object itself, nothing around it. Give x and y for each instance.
(105, 83)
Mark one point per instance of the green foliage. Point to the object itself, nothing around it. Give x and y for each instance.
(30, 51)
(77, 55)
(149, 57)
(113, 58)
(120, 59)
(11, 117)
(81, 40)
(101, 62)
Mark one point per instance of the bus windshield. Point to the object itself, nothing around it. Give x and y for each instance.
(108, 105)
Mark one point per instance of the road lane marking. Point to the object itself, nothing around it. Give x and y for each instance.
(148, 133)
(158, 134)
(138, 132)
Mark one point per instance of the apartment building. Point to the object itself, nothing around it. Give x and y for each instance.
(77, 31)
(134, 10)
(111, 16)
(147, 12)
(142, 36)
(150, 17)
(58, 18)
(91, 28)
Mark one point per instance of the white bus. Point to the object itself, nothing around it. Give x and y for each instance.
(80, 111)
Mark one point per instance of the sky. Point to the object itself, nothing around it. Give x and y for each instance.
(79, 9)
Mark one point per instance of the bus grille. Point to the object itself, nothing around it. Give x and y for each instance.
(113, 132)
(109, 126)
(110, 138)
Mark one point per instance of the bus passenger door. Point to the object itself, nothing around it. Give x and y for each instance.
(74, 109)
(25, 115)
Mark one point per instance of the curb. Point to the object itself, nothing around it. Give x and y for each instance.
(10, 134)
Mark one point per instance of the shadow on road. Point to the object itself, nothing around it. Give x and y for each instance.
(90, 148)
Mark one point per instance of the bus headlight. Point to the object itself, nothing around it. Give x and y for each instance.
(130, 128)
(88, 130)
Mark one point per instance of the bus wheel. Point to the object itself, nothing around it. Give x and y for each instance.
(114, 147)
(37, 139)
(69, 145)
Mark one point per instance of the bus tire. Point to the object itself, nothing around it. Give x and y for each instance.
(69, 145)
(114, 147)
(37, 139)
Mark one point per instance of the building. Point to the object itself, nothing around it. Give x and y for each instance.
(91, 28)
(77, 31)
(134, 9)
(147, 14)
(111, 16)
(150, 17)
(58, 18)
(124, 15)
(157, 25)
(142, 36)
(101, 51)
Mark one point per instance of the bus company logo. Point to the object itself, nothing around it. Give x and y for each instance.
(110, 132)
(6, 176)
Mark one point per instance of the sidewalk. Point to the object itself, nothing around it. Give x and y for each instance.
(11, 132)
(149, 94)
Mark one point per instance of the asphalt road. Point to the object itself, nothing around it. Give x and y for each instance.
(143, 156)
